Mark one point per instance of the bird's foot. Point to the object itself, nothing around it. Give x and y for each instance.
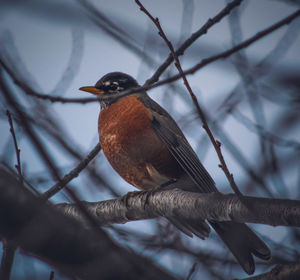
(129, 195)
(145, 195)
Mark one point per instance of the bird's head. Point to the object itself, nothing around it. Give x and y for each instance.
(111, 84)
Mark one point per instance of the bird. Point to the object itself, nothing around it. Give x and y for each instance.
(146, 147)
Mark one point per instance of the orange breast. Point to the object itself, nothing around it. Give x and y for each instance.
(131, 146)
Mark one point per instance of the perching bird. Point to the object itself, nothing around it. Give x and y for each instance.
(146, 147)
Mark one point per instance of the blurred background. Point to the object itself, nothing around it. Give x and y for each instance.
(252, 102)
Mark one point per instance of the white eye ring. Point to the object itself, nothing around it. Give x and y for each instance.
(107, 83)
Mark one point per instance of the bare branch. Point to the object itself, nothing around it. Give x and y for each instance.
(191, 271)
(231, 51)
(29, 91)
(188, 205)
(44, 154)
(9, 249)
(180, 51)
(7, 260)
(72, 174)
(12, 131)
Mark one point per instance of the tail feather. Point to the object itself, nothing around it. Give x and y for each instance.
(242, 242)
(238, 237)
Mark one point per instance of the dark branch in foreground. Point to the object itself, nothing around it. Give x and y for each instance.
(63, 242)
(188, 205)
(7, 260)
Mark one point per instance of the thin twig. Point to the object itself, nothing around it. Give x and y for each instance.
(72, 174)
(225, 54)
(26, 183)
(187, 43)
(9, 249)
(36, 141)
(216, 144)
(12, 131)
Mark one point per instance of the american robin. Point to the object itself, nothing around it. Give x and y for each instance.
(146, 147)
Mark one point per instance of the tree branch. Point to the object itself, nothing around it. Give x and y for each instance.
(72, 174)
(17, 150)
(7, 260)
(9, 249)
(231, 51)
(43, 152)
(188, 205)
(31, 92)
(61, 241)
(187, 43)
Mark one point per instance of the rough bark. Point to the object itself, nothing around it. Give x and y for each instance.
(188, 205)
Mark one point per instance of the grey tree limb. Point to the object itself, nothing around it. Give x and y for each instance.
(188, 205)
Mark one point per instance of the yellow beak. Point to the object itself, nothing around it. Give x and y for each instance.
(93, 90)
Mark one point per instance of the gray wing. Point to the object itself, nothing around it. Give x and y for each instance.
(169, 132)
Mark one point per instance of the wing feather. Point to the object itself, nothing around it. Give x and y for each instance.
(169, 132)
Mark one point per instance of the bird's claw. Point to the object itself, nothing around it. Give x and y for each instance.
(129, 195)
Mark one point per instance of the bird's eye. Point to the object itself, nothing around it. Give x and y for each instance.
(113, 87)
